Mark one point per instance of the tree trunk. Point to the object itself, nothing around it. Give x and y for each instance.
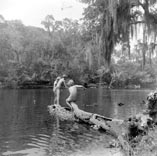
(144, 48)
(128, 44)
(144, 59)
(107, 36)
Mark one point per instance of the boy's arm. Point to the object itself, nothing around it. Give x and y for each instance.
(54, 86)
(79, 86)
(65, 84)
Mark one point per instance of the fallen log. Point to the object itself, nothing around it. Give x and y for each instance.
(62, 112)
(111, 126)
(97, 121)
(125, 131)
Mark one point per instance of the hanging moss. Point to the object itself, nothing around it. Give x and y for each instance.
(118, 20)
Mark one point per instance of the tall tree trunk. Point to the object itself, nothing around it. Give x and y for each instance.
(128, 43)
(144, 48)
(17, 56)
(107, 37)
(144, 59)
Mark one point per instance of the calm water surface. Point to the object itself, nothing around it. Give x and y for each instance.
(27, 129)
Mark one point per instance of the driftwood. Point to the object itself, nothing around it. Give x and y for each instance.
(62, 112)
(95, 120)
(116, 127)
(111, 126)
(124, 130)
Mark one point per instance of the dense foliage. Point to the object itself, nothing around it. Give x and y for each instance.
(87, 52)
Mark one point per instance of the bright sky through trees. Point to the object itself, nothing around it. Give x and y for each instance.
(32, 12)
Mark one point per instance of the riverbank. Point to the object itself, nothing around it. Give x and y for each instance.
(146, 147)
(27, 84)
(48, 84)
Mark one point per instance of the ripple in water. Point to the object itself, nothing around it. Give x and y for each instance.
(27, 129)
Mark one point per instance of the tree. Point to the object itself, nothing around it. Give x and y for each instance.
(49, 24)
(117, 20)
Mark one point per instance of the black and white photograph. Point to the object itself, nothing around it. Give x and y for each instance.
(78, 78)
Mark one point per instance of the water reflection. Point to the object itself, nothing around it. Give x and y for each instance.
(27, 129)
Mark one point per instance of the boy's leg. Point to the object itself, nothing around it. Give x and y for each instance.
(68, 102)
(57, 96)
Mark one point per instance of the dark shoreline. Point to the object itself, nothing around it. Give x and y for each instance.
(49, 85)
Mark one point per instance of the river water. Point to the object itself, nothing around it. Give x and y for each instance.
(27, 129)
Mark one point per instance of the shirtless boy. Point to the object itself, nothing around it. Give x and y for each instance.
(57, 88)
(73, 92)
(54, 89)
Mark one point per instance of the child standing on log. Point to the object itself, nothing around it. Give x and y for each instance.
(57, 86)
(54, 88)
(73, 92)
